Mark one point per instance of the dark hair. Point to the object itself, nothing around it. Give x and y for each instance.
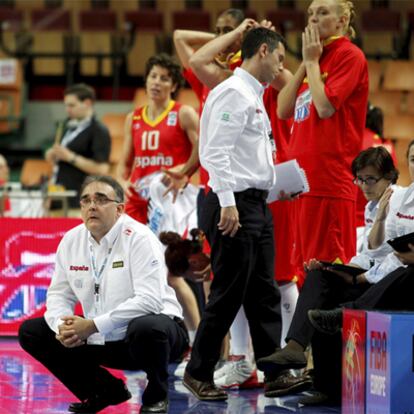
(167, 62)
(81, 90)
(236, 14)
(254, 38)
(105, 179)
(375, 120)
(179, 250)
(380, 159)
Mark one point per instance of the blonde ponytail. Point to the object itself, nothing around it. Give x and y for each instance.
(347, 9)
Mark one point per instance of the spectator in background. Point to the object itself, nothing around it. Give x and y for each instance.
(82, 144)
(5, 207)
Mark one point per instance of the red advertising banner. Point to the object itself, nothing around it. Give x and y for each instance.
(353, 361)
(27, 253)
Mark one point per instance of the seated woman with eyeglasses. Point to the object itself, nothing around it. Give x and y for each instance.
(374, 172)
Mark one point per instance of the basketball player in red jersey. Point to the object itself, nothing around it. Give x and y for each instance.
(160, 135)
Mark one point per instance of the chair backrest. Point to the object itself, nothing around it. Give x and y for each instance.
(400, 126)
(399, 76)
(11, 95)
(34, 170)
(115, 123)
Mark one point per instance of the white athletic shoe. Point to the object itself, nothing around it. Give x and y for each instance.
(241, 374)
(179, 371)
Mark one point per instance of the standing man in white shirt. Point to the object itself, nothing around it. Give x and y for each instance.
(114, 266)
(237, 150)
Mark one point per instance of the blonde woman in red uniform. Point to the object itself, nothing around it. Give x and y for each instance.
(328, 98)
(161, 135)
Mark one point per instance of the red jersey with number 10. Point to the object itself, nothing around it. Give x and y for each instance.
(158, 143)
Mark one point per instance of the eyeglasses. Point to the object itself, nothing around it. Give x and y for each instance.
(99, 200)
(368, 181)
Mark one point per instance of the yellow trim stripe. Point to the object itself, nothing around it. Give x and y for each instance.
(159, 118)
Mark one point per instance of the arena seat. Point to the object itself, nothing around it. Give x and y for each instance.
(399, 76)
(380, 29)
(98, 29)
(12, 96)
(51, 29)
(399, 126)
(148, 24)
(389, 101)
(115, 123)
(375, 73)
(34, 170)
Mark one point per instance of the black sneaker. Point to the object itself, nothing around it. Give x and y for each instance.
(99, 402)
(326, 321)
(282, 359)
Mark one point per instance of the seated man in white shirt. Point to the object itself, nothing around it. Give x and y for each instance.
(114, 266)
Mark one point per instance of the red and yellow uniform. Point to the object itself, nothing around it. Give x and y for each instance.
(284, 270)
(324, 219)
(156, 144)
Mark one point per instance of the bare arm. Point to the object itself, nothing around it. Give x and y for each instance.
(377, 234)
(87, 165)
(125, 163)
(186, 41)
(287, 96)
(189, 122)
(282, 79)
(176, 180)
(312, 51)
(203, 62)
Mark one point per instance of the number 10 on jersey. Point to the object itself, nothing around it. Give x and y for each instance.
(150, 140)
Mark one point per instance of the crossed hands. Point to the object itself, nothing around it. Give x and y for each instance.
(74, 331)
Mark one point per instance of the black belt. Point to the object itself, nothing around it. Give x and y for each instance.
(254, 193)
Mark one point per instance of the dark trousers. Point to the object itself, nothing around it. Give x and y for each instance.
(393, 293)
(150, 344)
(321, 290)
(243, 275)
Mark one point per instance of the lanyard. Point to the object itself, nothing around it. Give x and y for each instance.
(97, 275)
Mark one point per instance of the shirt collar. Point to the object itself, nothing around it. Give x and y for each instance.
(250, 80)
(109, 237)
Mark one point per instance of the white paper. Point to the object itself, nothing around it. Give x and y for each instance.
(290, 178)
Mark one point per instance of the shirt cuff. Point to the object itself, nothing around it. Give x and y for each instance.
(103, 324)
(226, 198)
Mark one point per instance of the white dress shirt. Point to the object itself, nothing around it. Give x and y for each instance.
(366, 258)
(133, 282)
(235, 148)
(400, 221)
